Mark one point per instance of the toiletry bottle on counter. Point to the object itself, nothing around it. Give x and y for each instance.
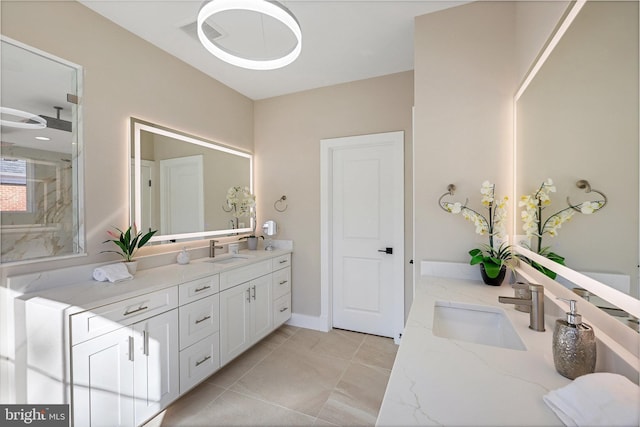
(183, 257)
(574, 345)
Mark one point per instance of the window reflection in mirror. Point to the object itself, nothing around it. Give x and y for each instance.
(40, 182)
(184, 182)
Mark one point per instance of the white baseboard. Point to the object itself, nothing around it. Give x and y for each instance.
(317, 323)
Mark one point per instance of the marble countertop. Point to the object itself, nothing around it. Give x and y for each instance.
(445, 382)
(87, 294)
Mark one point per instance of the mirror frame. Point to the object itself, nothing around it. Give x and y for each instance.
(137, 126)
(620, 299)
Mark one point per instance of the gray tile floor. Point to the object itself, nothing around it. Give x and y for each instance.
(294, 377)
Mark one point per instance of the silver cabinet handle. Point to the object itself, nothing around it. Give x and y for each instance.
(203, 319)
(283, 282)
(283, 309)
(204, 288)
(254, 292)
(130, 348)
(248, 294)
(200, 362)
(283, 261)
(127, 313)
(145, 342)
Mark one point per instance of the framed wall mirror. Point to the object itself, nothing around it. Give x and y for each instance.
(577, 119)
(180, 182)
(41, 176)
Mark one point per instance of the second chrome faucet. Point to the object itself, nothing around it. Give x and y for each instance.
(535, 302)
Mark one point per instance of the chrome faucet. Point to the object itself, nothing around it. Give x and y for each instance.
(535, 301)
(213, 247)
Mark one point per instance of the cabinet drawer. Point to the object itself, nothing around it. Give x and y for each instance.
(281, 310)
(199, 361)
(281, 283)
(243, 274)
(281, 262)
(199, 319)
(192, 291)
(90, 324)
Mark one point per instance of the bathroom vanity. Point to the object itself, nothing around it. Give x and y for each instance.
(466, 359)
(121, 352)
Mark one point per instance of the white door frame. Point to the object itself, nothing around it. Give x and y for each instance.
(327, 146)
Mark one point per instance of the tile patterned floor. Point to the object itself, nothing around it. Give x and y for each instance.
(294, 377)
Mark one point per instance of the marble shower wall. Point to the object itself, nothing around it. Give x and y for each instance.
(47, 227)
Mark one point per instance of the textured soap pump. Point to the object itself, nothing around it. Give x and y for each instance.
(574, 345)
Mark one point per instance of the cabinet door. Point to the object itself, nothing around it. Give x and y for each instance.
(261, 307)
(156, 366)
(103, 380)
(234, 322)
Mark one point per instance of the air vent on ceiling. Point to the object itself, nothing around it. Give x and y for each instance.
(209, 31)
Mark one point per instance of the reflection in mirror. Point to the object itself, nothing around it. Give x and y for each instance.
(578, 119)
(40, 177)
(184, 183)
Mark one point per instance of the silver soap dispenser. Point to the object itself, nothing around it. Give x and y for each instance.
(574, 345)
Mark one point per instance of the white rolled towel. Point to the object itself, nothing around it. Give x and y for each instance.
(112, 272)
(600, 399)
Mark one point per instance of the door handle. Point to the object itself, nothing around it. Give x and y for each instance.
(386, 250)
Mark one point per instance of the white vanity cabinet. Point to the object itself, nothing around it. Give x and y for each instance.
(281, 288)
(125, 376)
(121, 353)
(199, 325)
(246, 316)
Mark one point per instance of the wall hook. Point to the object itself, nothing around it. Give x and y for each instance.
(583, 184)
(451, 189)
(279, 202)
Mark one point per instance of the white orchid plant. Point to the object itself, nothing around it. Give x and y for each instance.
(535, 228)
(492, 258)
(240, 201)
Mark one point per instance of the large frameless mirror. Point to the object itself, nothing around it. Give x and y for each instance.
(577, 119)
(41, 200)
(180, 184)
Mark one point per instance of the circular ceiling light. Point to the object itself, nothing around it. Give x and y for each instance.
(272, 9)
(34, 122)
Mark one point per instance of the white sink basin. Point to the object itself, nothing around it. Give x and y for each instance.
(226, 259)
(480, 324)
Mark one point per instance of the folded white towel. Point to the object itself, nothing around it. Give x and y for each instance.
(112, 272)
(600, 399)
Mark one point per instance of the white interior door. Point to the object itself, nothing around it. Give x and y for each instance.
(367, 217)
(182, 195)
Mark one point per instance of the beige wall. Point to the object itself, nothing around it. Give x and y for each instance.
(464, 86)
(288, 132)
(124, 76)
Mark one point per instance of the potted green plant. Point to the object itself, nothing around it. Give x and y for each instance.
(493, 260)
(128, 243)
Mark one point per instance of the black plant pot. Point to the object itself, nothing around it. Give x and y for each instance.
(496, 281)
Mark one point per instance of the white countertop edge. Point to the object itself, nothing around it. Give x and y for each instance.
(438, 381)
(90, 294)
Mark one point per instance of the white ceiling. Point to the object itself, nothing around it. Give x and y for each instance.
(342, 41)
